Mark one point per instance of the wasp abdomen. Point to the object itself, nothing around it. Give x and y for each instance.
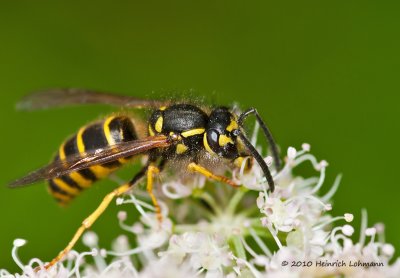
(112, 130)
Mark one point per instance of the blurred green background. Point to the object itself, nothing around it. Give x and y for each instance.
(322, 72)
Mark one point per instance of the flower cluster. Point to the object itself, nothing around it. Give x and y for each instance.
(216, 231)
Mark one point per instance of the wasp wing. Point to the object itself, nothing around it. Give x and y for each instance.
(71, 96)
(78, 162)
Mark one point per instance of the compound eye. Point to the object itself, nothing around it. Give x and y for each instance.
(221, 144)
(212, 140)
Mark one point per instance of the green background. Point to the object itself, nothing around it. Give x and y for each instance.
(322, 72)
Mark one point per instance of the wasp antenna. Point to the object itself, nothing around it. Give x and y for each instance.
(259, 160)
(267, 132)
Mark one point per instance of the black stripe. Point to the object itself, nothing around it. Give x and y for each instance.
(112, 164)
(71, 148)
(154, 117)
(93, 138)
(122, 130)
(88, 174)
(70, 182)
(122, 126)
(54, 188)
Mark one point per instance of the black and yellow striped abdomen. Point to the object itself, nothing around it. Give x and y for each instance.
(97, 135)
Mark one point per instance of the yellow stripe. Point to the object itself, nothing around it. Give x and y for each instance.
(61, 152)
(110, 139)
(233, 125)
(62, 197)
(79, 140)
(223, 140)
(123, 160)
(205, 143)
(80, 180)
(66, 187)
(159, 124)
(107, 131)
(99, 171)
(75, 176)
(162, 108)
(192, 132)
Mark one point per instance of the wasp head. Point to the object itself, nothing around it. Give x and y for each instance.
(225, 138)
(220, 137)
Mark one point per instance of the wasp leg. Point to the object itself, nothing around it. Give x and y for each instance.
(88, 222)
(193, 167)
(151, 171)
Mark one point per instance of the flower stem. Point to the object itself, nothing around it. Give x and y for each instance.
(235, 200)
(238, 247)
(211, 202)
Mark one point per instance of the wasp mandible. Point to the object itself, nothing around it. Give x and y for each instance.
(175, 131)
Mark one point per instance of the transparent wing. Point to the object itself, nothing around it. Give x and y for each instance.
(78, 162)
(64, 97)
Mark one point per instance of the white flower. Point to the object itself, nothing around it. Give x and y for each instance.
(182, 187)
(216, 231)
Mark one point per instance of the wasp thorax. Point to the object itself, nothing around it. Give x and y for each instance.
(219, 137)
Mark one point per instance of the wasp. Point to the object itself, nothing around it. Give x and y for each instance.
(176, 131)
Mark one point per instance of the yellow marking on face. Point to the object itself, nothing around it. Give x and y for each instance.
(233, 125)
(192, 132)
(181, 148)
(151, 131)
(159, 124)
(162, 108)
(205, 143)
(223, 140)
(66, 187)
